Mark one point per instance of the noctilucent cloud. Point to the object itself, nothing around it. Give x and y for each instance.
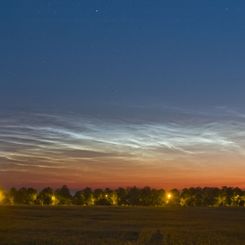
(121, 93)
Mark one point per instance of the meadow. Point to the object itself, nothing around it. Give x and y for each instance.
(73, 225)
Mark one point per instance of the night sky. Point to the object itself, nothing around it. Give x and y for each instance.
(119, 93)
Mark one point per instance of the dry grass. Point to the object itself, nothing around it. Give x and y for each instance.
(121, 226)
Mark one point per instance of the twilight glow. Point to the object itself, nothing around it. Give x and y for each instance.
(122, 93)
(41, 148)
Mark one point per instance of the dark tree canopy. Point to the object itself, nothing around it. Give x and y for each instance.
(131, 196)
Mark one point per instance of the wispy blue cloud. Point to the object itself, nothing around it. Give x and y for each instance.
(51, 138)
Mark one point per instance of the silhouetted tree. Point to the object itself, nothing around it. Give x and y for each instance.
(88, 196)
(209, 196)
(11, 196)
(122, 196)
(193, 196)
(79, 198)
(134, 196)
(63, 195)
(24, 195)
(175, 198)
(46, 196)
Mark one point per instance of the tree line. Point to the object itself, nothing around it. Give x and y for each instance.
(131, 196)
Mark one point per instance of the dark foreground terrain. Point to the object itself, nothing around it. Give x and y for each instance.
(117, 226)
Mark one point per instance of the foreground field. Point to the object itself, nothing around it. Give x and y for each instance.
(121, 226)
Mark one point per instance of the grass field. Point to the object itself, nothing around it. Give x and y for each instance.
(121, 225)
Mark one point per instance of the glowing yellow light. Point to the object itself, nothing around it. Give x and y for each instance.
(1, 196)
(54, 200)
(169, 195)
(34, 197)
(106, 195)
(114, 199)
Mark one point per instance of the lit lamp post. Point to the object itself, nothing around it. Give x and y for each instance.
(169, 197)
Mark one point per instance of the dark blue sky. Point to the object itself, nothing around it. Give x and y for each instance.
(122, 93)
(140, 52)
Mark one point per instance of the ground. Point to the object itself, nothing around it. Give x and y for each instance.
(121, 226)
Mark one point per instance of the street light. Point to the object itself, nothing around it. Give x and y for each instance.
(1, 196)
(53, 199)
(168, 197)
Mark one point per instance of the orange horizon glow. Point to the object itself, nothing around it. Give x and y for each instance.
(93, 153)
